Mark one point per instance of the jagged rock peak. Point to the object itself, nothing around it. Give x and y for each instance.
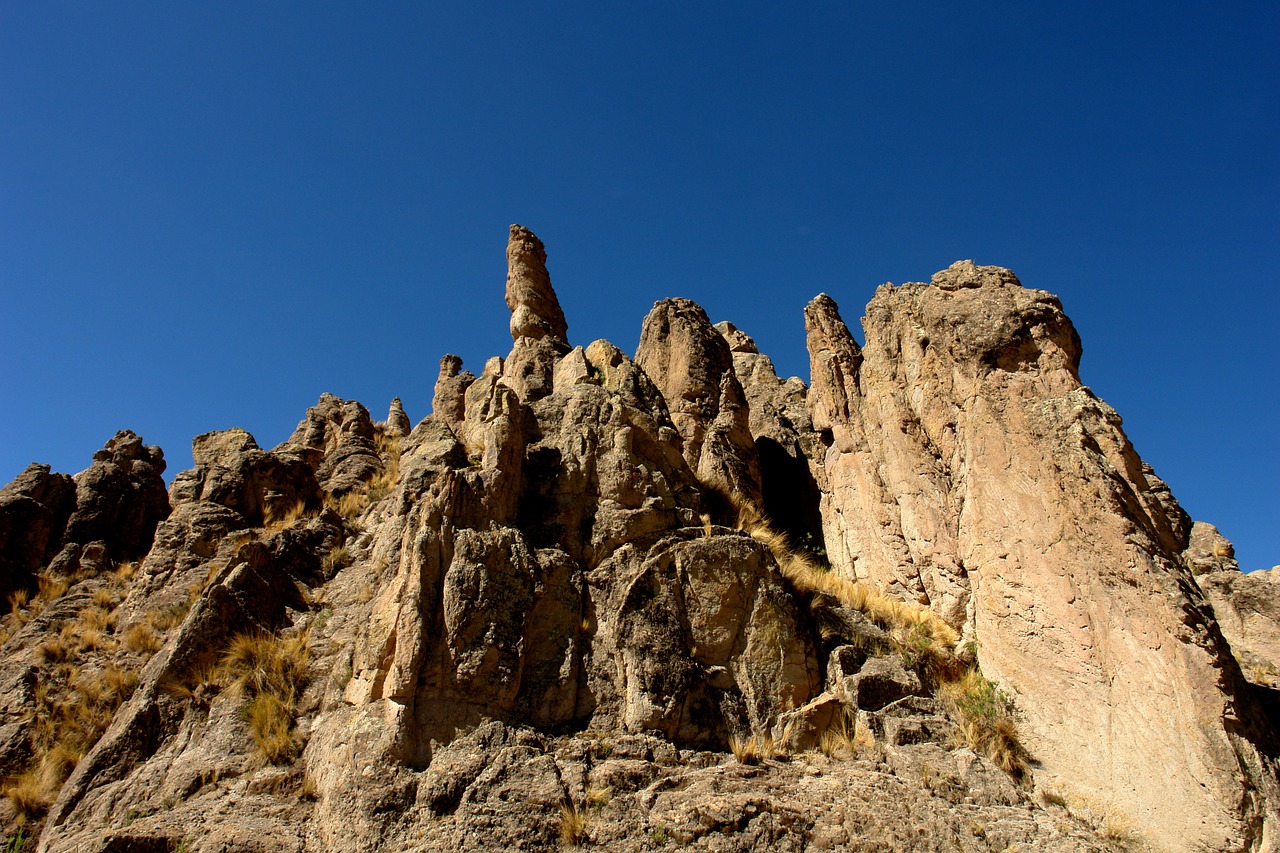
(738, 340)
(397, 421)
(691, 363)
(963, 274)
(535, 311)
(834, 362)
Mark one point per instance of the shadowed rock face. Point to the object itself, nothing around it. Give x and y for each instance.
(526, 606)
(967, 467)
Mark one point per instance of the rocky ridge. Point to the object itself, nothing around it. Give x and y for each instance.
(587, 601)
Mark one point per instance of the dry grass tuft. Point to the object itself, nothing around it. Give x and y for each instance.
(844, 738)
(574, 824)
(141, 638)
(985, 721)
(336, 560)
(278, 518)
(753, 749)
(924, 640)
(272, 672)
(48, 588)
(597, 798)
(68, 722)
(350, 505)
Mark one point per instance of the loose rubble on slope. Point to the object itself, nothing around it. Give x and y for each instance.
(586, 602)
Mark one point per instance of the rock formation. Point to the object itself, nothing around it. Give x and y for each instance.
(968, 468)
(583, 601)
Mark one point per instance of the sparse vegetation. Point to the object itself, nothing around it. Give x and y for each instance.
(141, 637)
(17, 842)
(985, 722)
(844, 738)
(336, 560)
(69, 719)
(597, 798)
(271, 672)
(923, 640)
(752, 749)
(278, 518)
(574, 823)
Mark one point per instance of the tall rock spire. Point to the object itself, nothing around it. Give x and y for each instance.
(538, 327)
(535, 311)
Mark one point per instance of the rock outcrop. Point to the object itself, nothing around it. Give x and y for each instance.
(584, 602)
(969, 469)
(107, 512)
(538, 328)
(692, 365)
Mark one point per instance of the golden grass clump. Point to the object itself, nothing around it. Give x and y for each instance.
(278, 518)
(68, 722)
(350, 505)
(336, 560)
(984, 718)
(49, 587)
(271, 671)
(752, 749)
(141, 638)
(574, 823)
(844, 737)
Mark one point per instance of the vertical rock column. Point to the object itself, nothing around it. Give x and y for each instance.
(538, 327)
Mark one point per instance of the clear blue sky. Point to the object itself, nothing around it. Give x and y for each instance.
(211, 213)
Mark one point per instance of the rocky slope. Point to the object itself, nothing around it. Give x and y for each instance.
(587, 602)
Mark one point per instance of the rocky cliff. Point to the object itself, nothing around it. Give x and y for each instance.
(933, 601)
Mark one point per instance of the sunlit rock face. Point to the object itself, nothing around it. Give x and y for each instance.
(966, 467)
(551, 613)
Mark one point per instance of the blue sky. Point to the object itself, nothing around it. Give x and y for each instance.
(212, 213)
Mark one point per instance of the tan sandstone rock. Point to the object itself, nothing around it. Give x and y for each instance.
(967, 467)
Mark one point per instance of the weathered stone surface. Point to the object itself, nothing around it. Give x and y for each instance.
(34, 509)
(699, 639)
(1247, 608)
(48, 520)
(1209, 551)
(538, 327)
(786, 442)
(450, 401)
(397, 421)
(531, 629)
(337, 439)
(880, 681)
(967, 467)
(232, 471)
(692, 366)
(121, 497)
